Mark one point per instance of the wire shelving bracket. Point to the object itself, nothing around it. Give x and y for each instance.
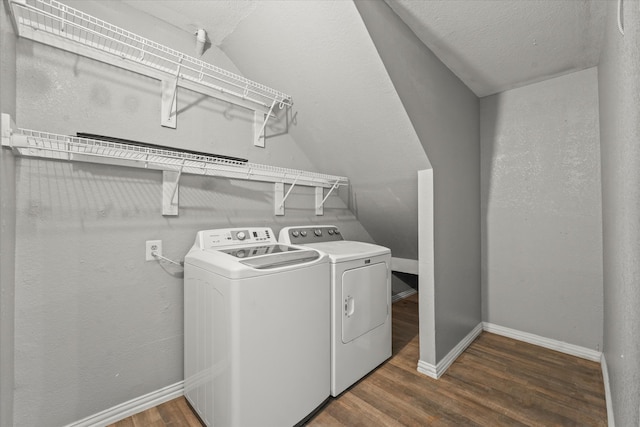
(320, 199)
(63, 27)
(173, 163)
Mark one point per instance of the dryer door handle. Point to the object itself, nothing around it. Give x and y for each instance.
(349, 306)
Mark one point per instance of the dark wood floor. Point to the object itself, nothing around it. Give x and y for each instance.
(496, 381)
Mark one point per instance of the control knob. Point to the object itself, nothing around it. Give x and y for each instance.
(295, 233)
(240, 235)
(317, 232)
(303, 233)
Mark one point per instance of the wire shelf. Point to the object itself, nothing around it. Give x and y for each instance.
(61, 147)
(51, 22)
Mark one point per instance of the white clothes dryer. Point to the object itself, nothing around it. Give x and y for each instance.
(256, 316)
(360, 301)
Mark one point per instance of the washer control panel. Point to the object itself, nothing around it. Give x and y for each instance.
(208, 239)
(309, 234)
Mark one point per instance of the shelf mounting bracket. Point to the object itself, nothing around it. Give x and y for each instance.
(259, 123)
(169, 107)
(280, 197)
(7, 129)
(170, 183)
(320, 200)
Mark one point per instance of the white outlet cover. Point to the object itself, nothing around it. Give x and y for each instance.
(153, 246)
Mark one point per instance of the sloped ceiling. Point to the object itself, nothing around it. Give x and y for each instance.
(347, 116)
(491, 45)
(495, 45)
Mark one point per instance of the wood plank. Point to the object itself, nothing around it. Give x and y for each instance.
(127, 422)
(149, 418)
(352, 411)
(177, 412)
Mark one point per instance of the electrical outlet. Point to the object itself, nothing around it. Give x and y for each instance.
(153, 246)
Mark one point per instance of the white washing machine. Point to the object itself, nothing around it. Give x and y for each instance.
(256, 335)
(360, 301)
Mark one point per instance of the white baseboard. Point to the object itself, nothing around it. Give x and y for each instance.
(563, 347)
(441, 367)
(428, 369)
(133, 406)
(607, 392)
(404, 265)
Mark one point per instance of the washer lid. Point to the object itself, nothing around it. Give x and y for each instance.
(348, 250)
(259, 250)
(282, 259)
(255, 260)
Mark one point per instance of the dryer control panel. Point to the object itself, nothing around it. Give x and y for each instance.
(208, 239)
(310, 234)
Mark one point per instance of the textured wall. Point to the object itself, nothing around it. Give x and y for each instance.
(542, 234)
(619, 83)
(7, 221)
(96, 325)
(445, 115)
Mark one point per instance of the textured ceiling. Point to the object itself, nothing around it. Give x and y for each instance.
(495, 45)
(491, 45)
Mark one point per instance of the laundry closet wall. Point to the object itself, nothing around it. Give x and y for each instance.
(7, 221)
(619, 94)
(541, 210)
(96, 325)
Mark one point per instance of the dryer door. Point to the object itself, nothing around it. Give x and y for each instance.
(365, 296)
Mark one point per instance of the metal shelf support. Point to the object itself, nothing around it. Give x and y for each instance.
(319, 203)
(169, 99)
(170, 183)
(279, 199)
(169, 104)
(7, 126)
(320, 200)
(260, 136)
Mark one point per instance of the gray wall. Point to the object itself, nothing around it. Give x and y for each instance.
(96, 325)
(619, 90)
(7, 222)
(445, 115)
(541, 206)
